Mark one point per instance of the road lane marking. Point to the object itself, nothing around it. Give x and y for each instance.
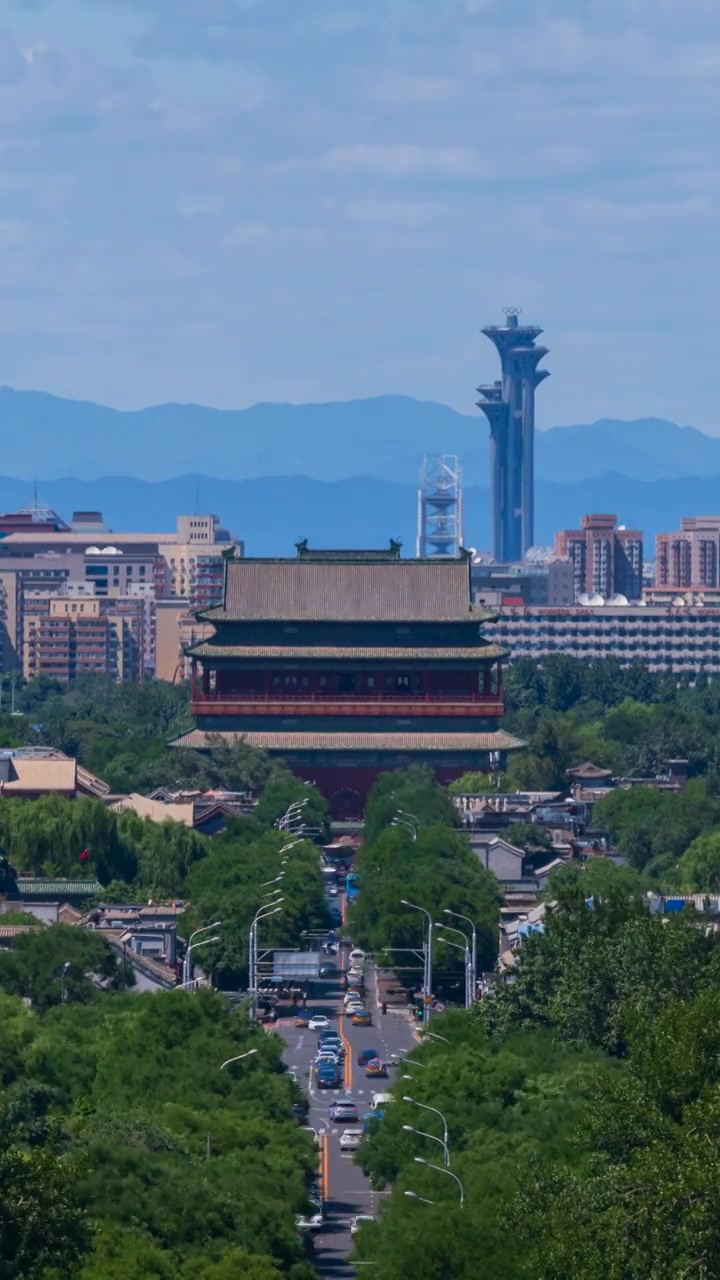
(325, 1184)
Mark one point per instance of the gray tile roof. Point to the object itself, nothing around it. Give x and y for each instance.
(216, 649)
(288, 741)
(347, 591)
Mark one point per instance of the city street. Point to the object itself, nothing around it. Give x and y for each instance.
(346, 1190)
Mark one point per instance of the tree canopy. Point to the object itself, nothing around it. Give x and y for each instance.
(582, 1101)
(126, 1151)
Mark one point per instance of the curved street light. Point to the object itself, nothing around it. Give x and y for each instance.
(409, 1128)
(424, 1106)
(450, 1174)
(205, 929)
(427, 977)
(466, 956)
(413, 1195)
(268, 909)
(238, 1058)
(204, 942)
(433, 1036)
(458, 916)
(408, 826)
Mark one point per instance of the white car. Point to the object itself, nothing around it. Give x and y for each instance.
(357, 958)
(319, 1022)
(309, 1221)
(357, 1222)
(350, 1139)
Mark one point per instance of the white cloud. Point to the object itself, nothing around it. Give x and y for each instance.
(401, 90)
(396, 213)
(403, 161)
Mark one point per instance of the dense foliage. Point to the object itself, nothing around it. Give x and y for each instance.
(243, 871)
(125, 1150)
(436, 870)
(582, 1100)
(627, 719)
(120, 732)
(49, 836)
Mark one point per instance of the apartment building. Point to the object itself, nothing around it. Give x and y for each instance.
(607, 558)
(176, 629)
(547, 581)
(192, 557)
(42, 558)
(66, 635)
(676, 639)
(689, 557)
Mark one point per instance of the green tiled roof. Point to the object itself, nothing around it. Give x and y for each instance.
(32, 888)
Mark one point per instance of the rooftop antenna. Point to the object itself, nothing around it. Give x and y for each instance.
(197, 497)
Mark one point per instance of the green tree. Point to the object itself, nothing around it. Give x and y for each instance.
(699, 866)
(43, 1223)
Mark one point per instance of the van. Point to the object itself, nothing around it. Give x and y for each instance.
(357, 957)
(380, 1100)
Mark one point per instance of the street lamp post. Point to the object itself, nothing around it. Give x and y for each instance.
(238, 1058)
(424, 1107)
(262, 914)
(466, 952)
(63, 971)
(421, 1134)
(204, 942)
(409, 826)
(414, 1196)
(450, 1174)
(467, 920)
(430, 1035)
(186, 962)
(427, 980)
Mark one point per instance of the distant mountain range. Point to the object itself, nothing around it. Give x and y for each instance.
(338, 474)
(271, 513)
(46, 437)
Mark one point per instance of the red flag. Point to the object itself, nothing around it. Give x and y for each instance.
(84, 855)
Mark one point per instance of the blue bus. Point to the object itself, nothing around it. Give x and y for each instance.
(351, 889)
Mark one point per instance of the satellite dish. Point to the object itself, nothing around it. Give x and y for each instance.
(678, 602)
(93, 551)
(111, 551)
(618, 599)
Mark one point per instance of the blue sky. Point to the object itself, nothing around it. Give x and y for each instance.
(238, 200)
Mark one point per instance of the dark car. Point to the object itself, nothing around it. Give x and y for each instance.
(328, 971)
(367, 1055)
(328, 1077)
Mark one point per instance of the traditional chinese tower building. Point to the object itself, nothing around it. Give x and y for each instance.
(348, 663)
